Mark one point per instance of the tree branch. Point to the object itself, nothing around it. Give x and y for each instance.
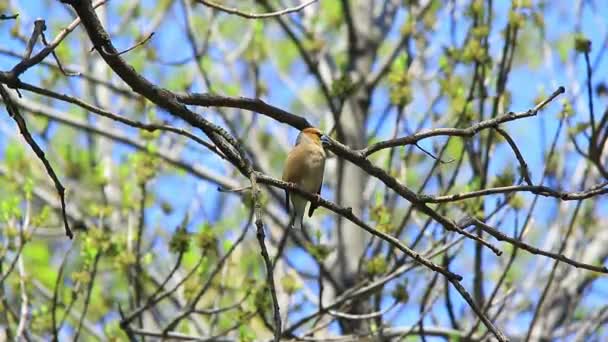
(250, 15)
(13, 111)
(460, 132)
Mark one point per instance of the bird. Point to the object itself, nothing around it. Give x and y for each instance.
(304, 166)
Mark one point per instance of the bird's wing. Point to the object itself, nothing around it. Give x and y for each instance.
(312, 207)
(291, 172)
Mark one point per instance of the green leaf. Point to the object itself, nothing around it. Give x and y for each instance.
(37, 258)
(582, 44)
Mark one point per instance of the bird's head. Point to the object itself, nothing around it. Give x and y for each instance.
(314, 135)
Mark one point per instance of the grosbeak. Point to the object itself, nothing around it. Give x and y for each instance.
(304, 166)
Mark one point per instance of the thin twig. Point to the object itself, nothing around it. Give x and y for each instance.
(134, 46)
(14, 113)
(13, 263)
(8, 17)
(461, 132)
(25, 301)
(218, 267)
(543, 296)
(59, 65)
(365, 289)
(433, 156)
(518, 243)
(150, 127)
(87, 299)
(28, 62)
(178, 336)
(347, 213)
(39, 27)
(56, 295)
(535, 189)
(364, 316)
(590, 91)
(157, 297)
(259, 223)
(522, 162)
(250, 15)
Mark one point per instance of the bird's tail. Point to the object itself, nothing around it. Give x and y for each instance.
(299, 206)
(295, 221)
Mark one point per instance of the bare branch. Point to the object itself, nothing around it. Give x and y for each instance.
(144, 41)
(235, 11)
(459, 132)
(9, 17)
(259, 223)
(363, 316)
(535, 189)
(203, 290)
(255, 105)
(148, 127)
(520, 244)
(522, 162)
(28, 62)
(14, 113)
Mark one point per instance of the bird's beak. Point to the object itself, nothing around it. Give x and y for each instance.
(325, 140)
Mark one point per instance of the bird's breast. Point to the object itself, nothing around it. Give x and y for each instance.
(314, 167)
(315, 160)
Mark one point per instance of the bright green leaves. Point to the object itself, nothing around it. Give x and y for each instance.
(516, 18)
(286, 53)
(37, 257)
(376, 266)
(77, 161)
(400, 293)
(408, 26)
(342, 87)
(82, 277)
(206, 239)
(330, 14)
(41, 319)
(290, 284)
(319, 252)
(517, 202)
(578, 128)
(10, 208)
(95, 241)
(530, 57)
(400, 83)
(582, 44)
(480, 32)
(382, 217)
(474, 52)
(180, 241)
(313, 45)
(145, 166)
(246, 334)
(476, 9)
(474, 206)
(505, 178)
(256, 49)
(567, 110)
(262, 299)
(455, 147)
(15, 158)
(180, 79)
(564, 45)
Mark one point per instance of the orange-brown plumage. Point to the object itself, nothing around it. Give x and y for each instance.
(304, 166)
